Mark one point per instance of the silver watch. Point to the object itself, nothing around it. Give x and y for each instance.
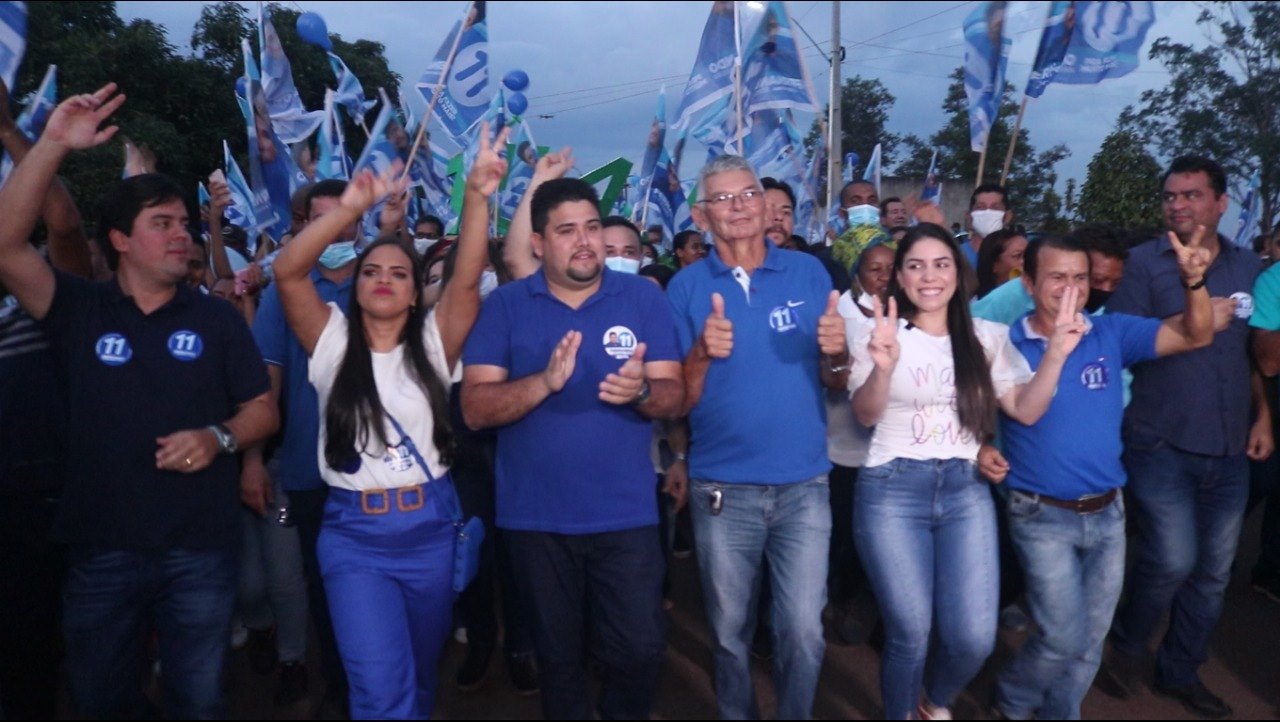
(227, 443)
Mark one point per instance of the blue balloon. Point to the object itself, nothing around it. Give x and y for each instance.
(242, 89)
(517, 103)
(312, 29)
(516, 80)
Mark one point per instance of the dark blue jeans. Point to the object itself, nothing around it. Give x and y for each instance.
(1190, 509)
(614, 581)
(113, 598)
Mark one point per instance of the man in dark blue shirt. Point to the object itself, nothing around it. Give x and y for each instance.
(1188, 435)
(163, 383)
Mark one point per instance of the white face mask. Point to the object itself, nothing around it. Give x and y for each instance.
(422, 244)
(622, 265)
(338, 254)
(646, 262)
(488, 282)
(987, 222)
(863, 215)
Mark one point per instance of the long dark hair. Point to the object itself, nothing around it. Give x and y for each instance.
(975, 395)
(354, 411)
(993, 246)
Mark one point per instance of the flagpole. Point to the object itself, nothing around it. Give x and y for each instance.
(435, 93)
(834, 148)
(737, 73)
(1013, 142)
(982, 159)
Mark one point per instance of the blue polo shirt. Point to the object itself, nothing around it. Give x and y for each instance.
(761, 418)
(1074, 449)
(574, 464)
(300, 413)
(134, 377)
(1197, 401)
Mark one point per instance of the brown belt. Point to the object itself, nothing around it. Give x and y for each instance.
(1083, 505)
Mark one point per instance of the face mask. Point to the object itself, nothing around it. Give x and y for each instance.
(863, 215)
(1097, 299)
(338, 255)
(422, 244)
(987, 222)
(622, 265)
(488, 282)
(646, 262)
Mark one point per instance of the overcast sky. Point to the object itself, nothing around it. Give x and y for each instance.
(597, 67)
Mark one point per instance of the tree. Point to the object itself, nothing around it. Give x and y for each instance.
(1122, 185)
(864, 113)
(1221, 100)
(1032, 175)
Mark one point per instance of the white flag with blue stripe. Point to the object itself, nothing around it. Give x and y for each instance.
(35, 113)
(292, 122)
(872, 173)
(350, 93)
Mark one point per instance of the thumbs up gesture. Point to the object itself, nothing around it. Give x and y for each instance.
(831, 339)
(717, 331)
(626, 385)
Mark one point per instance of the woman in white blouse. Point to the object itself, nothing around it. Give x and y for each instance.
(381, 369)
(924, 522)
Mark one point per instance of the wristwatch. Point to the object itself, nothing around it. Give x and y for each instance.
(227, 443)
(643, 396)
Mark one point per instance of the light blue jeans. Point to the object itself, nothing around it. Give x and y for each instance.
(926, 532)
(790, 525)
(1074, 570)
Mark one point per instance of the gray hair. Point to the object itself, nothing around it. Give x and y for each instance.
(723, 164)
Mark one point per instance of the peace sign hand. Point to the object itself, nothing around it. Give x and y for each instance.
(490, 165)
(1068, 326)
(1193, 259)
(883, 345)
(553, 165)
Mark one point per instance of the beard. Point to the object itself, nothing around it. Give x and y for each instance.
(584, 275)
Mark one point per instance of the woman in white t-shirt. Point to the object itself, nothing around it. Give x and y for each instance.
(381, 369)
(924, 522)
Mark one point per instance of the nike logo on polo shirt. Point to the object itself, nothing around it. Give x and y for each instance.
(795, 304)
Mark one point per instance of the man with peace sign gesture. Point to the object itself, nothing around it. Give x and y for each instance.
(1195, 421)
(162, 385)
(1065, 470)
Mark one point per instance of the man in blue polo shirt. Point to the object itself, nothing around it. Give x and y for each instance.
(163, 383)
(761, 335)
(571, 364)
(295, 466)
(1066, 518)
(1194, 422)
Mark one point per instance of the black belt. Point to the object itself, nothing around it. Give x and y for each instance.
(1083, 505)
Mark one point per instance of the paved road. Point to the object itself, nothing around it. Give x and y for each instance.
(1245, 669)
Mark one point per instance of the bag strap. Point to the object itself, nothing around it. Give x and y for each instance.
(449, 502)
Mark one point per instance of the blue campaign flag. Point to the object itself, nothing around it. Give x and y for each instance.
(654, 145)
(465, 94)
(202, 201)
(771, 147)
(773, 72)
(292, 122)
(269, 179)
(332, 160)
(932, 190)
(710, 83)
(986, 56)
(1087, 42)
(13, 40)
(520, 165)
(379, 153)
(850, 163)
(350, 94)
(1250, 210)
(243, 210)
(872, 173)
(807, 221)
(35, 113)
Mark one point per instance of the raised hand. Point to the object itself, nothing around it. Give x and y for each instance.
(553, 165)
(883, 344)
(219, 196)
(831, 340)
(490, 165)
(366, 188)
(1068, 325)
(1193, 259)
(624, 386)
(717, 331)
(74, 123)
(564, 359)
(924, 211)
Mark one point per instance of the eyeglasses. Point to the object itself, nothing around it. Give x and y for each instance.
(725, 200)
